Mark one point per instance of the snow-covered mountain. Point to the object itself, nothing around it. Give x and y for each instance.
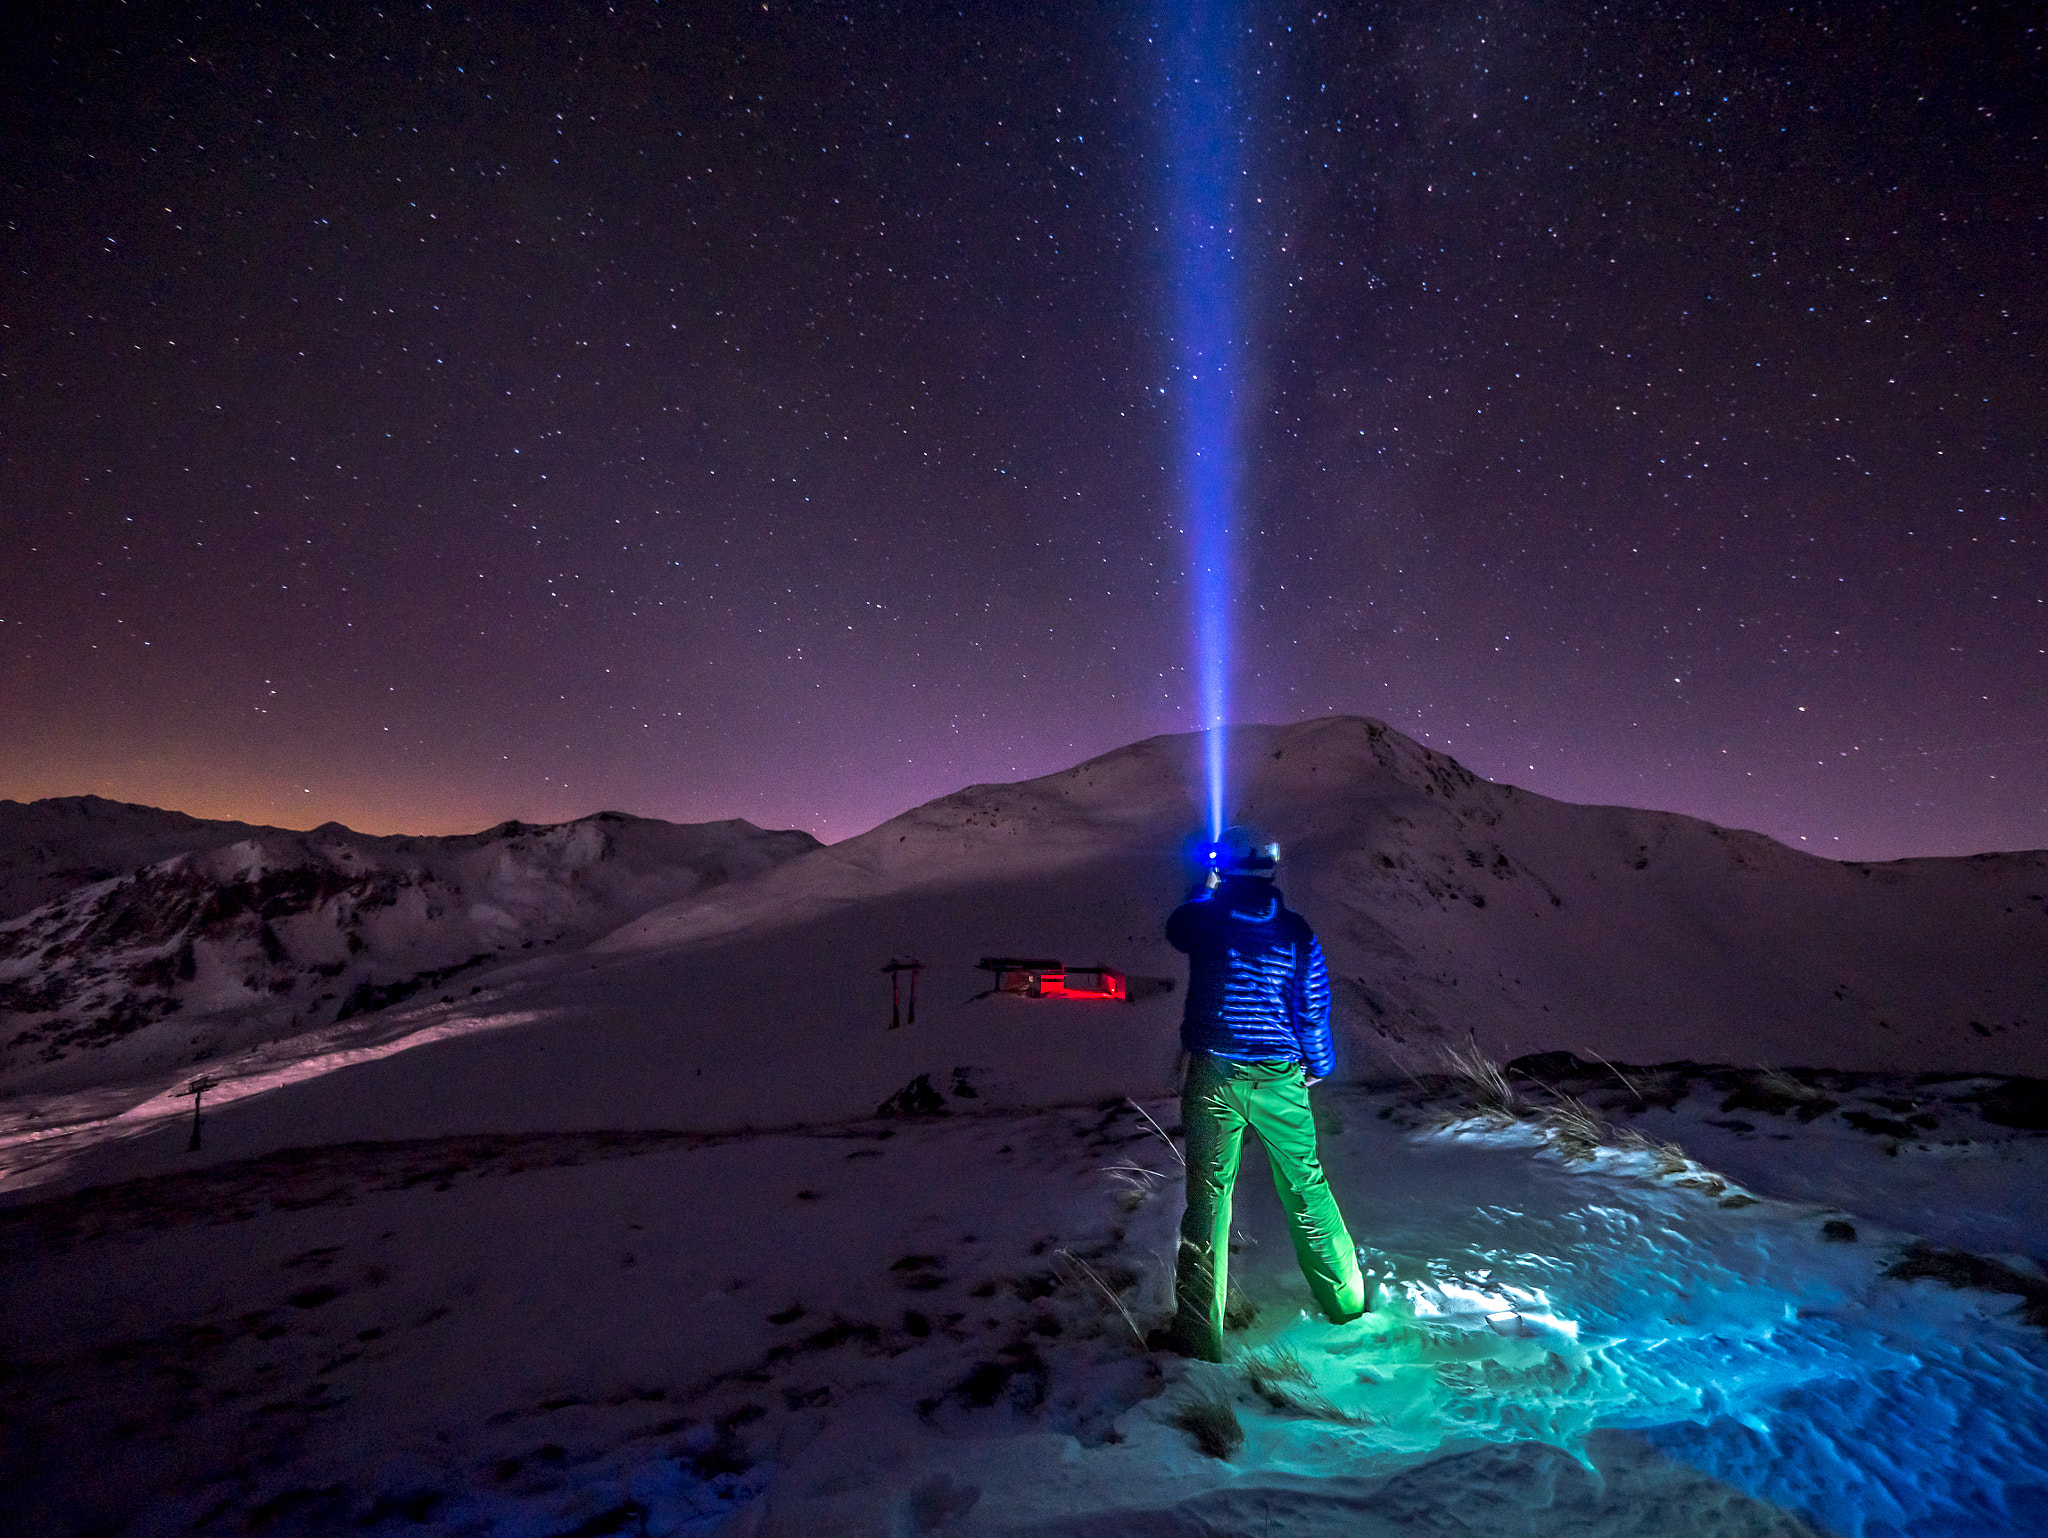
(644, 1234)
(52, 846)
(1452, 909)
(263, 937)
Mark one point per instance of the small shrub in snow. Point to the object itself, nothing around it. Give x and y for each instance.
(1671, 1159)
(1960, 1268)
(917, 1098)
(1578, 1133)
(1785, 1087)
(1775, 1092)
(1084, 1269)
(2021, 1103)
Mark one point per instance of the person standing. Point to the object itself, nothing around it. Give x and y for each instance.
(1256, 1031)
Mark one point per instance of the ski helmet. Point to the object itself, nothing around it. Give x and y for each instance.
(1239, 851)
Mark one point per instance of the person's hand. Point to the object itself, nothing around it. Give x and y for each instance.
(1308, 1080)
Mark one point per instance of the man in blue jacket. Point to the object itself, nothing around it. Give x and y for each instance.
(1257, 1034)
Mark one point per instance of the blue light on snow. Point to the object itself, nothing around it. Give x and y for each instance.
(1205, 167)
(1562, 1301)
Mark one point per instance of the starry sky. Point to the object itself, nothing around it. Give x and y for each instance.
(424, 415)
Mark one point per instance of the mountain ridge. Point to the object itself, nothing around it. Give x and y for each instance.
(53, 845)
(1455, 912)
(280, 930)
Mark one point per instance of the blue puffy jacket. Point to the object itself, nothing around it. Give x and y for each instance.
(1258, 988)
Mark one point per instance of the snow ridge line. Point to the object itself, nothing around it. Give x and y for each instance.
(162, 1103)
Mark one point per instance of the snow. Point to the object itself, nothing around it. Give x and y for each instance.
(618, 1243)
(232, 948)
(892, 1311)
(1452, 909)
(52, 846)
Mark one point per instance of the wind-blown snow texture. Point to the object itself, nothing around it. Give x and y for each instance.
(618, 1240)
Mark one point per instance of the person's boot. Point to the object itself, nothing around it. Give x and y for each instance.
(1371, 1293)
(1185, 1340)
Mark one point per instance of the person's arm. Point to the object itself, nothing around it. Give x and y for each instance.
(1312, 1023)
(1182, 925)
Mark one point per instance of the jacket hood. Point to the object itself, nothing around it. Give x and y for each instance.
(1252, 897)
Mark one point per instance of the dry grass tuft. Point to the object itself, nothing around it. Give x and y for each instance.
(1486, 1080)
(1239, 1310)
(1785, 1087)
(1450, 1121)
(1706, 1182)
(1574, 1131)
(1625, 1079)
(1578, 1132)
(1135, 1184)
(1207, 1416)
(1671, 1159)
(1280, 1377)
(1278, 1367)
(1081, 1267)
(1171, 1146)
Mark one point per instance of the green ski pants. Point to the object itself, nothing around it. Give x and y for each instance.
(1219, 1101)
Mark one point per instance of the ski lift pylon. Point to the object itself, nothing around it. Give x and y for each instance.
(896, 969)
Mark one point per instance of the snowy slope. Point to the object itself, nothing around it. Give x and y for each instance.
(219, 949)
(617, 1244)
(931, 1326)
(50, 847)
(1451, 908)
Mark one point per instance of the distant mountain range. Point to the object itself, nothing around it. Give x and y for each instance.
(618, 972)
(49, 847)
(149, 956)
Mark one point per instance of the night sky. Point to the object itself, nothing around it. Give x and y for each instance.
(422, 416)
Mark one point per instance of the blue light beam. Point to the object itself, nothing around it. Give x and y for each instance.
(1205, 168)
